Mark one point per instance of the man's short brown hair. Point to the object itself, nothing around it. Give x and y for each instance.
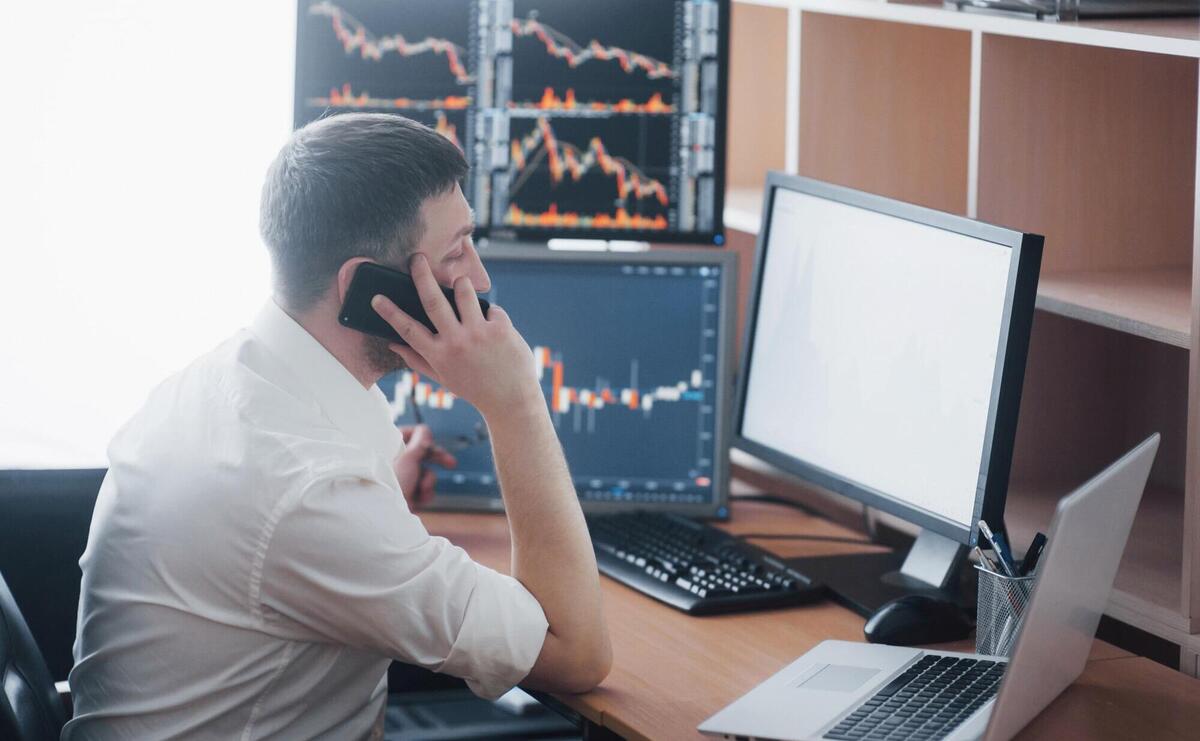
(348, 186)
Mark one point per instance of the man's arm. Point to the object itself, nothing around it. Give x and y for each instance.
(487, 362)
(552, 551)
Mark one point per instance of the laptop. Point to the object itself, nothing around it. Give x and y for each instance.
(843, 690)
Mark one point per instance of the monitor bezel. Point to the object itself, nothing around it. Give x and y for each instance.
(718, 508)
(1008, 377)
(714, 237)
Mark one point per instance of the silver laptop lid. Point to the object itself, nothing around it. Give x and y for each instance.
(1086, 541)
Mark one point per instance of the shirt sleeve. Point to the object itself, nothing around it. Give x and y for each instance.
(348, 563)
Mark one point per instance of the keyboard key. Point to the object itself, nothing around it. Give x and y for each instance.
(893, 686)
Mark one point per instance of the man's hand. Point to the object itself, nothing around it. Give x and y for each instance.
(417, 481)
(482, 360)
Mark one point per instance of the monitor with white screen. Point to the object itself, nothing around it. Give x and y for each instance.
(884, 353)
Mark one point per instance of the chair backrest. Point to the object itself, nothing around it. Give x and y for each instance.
(30, 709)
(48, 513)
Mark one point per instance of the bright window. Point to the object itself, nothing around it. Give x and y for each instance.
(134, 136)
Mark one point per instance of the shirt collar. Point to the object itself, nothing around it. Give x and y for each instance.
(362, 413)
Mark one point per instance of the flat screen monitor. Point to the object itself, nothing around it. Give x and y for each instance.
(580, 118)
(885, 351)
(634, 352)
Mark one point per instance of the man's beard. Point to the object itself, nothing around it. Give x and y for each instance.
(380, 358)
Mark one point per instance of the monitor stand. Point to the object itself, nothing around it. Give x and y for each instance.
(866, 581)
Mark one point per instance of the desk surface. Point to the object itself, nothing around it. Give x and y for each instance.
(672, 671)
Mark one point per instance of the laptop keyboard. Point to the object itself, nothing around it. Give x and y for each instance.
(928, 701)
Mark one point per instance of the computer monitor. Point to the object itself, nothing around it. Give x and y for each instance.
(596, 119)
(884, 355)
(635, 354)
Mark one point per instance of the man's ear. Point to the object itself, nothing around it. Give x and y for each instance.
(345, 274)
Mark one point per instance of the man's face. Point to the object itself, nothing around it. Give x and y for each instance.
(447, 244)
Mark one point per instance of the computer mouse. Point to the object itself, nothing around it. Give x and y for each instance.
(916, 620)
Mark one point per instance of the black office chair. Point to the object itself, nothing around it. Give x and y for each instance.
(30, 708)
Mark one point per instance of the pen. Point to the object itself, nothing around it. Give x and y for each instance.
(1008, 635)
(986, 532)
(1003, 549)
(986, 562)
(412, 395)
(1030, 562)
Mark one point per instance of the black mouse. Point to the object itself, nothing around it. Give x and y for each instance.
(916, 620)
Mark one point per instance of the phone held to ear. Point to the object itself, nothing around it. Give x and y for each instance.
(371, 279)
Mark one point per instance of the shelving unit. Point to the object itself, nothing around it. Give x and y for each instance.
(1084, 132)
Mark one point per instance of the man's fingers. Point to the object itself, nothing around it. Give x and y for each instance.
(497, 314)
(425, 489)
(468, 302)
(414, 360)
(432, 299)
(412, 331)
(420, 441)
(444, 458)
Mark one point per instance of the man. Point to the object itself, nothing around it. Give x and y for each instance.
(253, 565)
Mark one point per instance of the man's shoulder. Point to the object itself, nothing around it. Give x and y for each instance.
(238, 403)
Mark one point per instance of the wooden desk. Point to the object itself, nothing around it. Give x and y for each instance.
(672, 671)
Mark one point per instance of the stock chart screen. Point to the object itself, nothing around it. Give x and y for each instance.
(630, 364)
(580, 118)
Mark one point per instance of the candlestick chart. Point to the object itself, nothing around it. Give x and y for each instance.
(400, 57)
(609, 172)
(608, 54)
(577, 118)
(627, 360)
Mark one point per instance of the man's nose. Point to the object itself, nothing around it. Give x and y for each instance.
(479, 275)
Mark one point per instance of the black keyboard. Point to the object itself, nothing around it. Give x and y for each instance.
(927, 701)
(692, 566)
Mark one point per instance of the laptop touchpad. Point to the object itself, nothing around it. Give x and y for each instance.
(837, 678)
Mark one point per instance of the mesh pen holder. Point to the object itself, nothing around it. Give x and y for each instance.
(1001, 607)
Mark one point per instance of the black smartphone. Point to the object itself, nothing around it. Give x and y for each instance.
(371, 279)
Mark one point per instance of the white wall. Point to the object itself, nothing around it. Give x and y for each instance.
(134, 135)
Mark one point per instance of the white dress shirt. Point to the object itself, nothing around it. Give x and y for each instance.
(252, 565)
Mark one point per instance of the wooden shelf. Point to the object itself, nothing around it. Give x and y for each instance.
(1174, 36)
(1155, 304)
(1148, 589)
